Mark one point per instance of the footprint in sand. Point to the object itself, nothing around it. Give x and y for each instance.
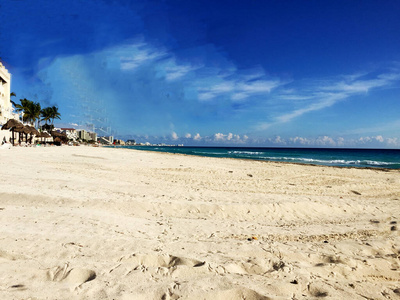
(235, 294)
(79, 276)
(4, 256)
(74, 277)
(253, 266)
(316, 290)
(166, 261)
(163, 265)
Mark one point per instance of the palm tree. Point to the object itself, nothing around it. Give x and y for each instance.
(24, 106)
(34, 112)
(12, 94)
(31, 110)
(54, 114)
(46, 114)
(50, 113)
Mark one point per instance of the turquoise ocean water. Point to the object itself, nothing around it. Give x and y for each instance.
(372, 158)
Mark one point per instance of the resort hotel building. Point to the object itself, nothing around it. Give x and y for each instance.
(6, 109)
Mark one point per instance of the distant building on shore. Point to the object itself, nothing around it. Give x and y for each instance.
(106, 140)
(130, 142)
(68, 130)
(87, 135)
(93, 136)
(71, 133)
(119, 142)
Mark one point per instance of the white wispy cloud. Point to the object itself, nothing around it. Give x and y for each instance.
(176, 71)
(137, 59)
(216, 90)
(362, 85)
(131, 56)
(318, 94)
(240, 87)
(246, 89)
(327, 100)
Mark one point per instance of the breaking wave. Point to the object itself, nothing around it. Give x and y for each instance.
(333, 161)
(371, 158)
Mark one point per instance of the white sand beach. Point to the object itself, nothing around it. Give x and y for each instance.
(104, 223)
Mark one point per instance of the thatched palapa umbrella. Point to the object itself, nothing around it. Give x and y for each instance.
(62, 136)
(25, 130)
(19, 130)
(13, 125)
(32, 132)
(43, 135)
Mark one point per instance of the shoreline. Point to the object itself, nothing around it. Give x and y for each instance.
(83, 222)
(266, 161)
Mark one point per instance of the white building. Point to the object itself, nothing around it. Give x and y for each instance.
(71, 133)
(6, 109)
(87, 135)
(83, 135)
(93, 136)
(5, 90)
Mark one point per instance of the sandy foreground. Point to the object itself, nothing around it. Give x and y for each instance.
(103, 223)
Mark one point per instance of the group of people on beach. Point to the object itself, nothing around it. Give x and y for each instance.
(8, 144)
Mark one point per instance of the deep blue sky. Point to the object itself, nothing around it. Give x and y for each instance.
(256, 73)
